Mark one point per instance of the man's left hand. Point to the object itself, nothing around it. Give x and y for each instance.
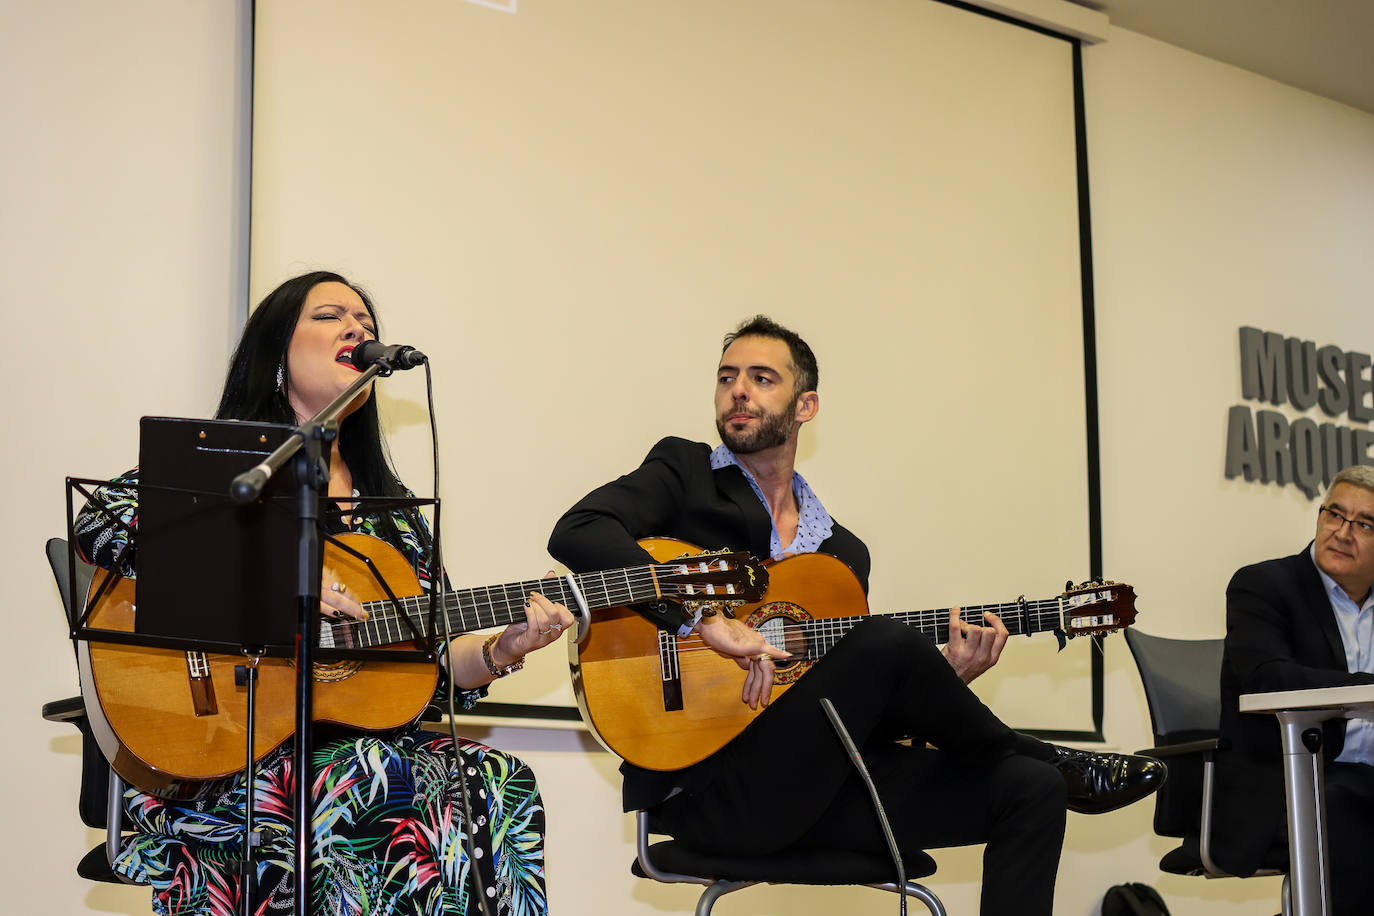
(972, 649)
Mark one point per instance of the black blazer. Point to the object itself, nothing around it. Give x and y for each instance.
(675, 493)
(1281, 634)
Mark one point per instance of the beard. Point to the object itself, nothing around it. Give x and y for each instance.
(773, 430)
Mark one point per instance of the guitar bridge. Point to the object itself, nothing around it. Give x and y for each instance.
(671, 670)
(202, 687)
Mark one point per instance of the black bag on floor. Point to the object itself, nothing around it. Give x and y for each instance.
(1133, 900)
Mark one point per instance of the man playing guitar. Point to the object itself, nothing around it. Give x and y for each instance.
(977, 781)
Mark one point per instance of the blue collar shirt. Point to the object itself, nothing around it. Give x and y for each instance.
(814, 524)
(1356, 623)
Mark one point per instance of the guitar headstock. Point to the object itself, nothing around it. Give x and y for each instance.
(723, 575)
(1097, 607)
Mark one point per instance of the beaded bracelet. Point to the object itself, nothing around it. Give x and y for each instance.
(491, 665)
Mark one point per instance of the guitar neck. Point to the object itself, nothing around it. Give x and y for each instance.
(490, 606)
(1022, 618)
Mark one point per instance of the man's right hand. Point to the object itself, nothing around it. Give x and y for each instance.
(732, 639)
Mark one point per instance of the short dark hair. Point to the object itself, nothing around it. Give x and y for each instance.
(803, 360)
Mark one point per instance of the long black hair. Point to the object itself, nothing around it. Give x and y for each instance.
(251, 391)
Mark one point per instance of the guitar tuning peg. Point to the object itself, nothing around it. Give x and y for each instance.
(1068, 586)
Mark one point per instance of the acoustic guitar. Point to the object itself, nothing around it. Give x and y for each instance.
(664, 702)
(169, 720)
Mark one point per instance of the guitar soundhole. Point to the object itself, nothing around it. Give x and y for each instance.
(780, 624)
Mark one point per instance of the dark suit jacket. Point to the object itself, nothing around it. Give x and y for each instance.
(1281, 634)
(675, 493)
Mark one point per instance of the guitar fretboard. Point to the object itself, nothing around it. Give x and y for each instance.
(490, 606)
(1021, 618)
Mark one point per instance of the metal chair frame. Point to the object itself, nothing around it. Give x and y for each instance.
(1170, 717)
(717, 887)
(73, 711)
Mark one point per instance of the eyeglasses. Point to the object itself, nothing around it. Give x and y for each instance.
(1333, 520)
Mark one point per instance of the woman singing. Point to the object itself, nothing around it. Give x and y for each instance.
(388, 830)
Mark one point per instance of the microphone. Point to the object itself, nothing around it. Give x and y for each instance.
(247, 486)
(391, 356)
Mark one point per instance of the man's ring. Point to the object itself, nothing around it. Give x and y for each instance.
(555, 626)
(545, 632)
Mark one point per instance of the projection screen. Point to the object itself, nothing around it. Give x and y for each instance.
(566, 204)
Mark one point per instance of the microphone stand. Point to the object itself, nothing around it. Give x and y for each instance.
(307, 450)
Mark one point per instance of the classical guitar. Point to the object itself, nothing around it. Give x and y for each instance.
(170, 720)
(664, 702)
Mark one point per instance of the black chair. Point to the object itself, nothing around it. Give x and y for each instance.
(673, 863)
(1182, 680)
(102, 791)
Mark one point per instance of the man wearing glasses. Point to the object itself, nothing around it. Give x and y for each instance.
(1293, 623)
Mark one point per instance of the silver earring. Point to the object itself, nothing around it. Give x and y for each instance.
(281, 376)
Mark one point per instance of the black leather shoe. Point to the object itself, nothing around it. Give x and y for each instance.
(1104, 782)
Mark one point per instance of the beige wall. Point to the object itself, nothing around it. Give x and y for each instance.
(1219, 199)
(122, 225)
(593, 193)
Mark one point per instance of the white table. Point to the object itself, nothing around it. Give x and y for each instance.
(1302, 712)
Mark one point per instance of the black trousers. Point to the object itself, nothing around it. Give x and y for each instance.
(786, 782)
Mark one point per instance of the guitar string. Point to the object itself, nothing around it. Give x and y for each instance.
(824, 632)
(617, 587)
(1039, 610)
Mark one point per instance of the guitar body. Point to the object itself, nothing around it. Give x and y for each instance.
(168, 729)
(663, 702)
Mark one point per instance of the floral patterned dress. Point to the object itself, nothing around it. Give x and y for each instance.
(388, 835)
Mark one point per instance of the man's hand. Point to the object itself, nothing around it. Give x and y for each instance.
(972, 649)
(749, 649)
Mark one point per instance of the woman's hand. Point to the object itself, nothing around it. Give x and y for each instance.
(545, 621)
(336, 601)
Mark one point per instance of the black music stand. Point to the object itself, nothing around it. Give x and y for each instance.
(192, 532)
(193, 540)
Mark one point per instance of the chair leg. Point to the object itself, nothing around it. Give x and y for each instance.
(1286, 901)
(926, 896)
(921, 893)
(719, 889)
(114, 817)
(715, 891)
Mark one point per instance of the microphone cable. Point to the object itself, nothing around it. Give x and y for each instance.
(439, 581)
